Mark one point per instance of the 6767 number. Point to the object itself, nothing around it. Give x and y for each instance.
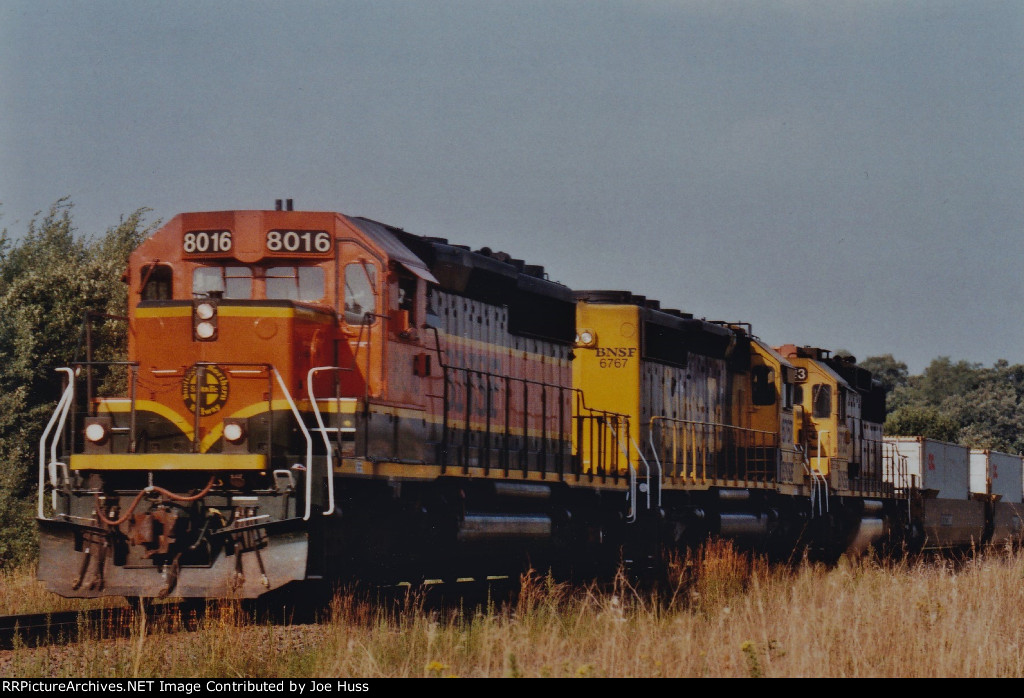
(612, 363)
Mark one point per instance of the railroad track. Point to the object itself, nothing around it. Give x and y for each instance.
(37, 629)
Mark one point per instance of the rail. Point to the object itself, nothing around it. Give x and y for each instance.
(483, 412)
(645, 487)
(704, 451)
(597, 441)
(867, 471)
(820, 482)
(661, 470)
(309, 444)
(59, 414)
(66, 406)
(895, 471)
(819, 490)
(323, 429)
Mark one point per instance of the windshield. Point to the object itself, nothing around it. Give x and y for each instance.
(222, 282)
(359, 296)
(296, 283)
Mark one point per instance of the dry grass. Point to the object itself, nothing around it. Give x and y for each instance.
(20, 592)
(723, 615)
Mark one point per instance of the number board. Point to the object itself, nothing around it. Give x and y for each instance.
(299, 242)
(206, 242)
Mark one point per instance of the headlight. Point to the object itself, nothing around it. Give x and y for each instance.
(586, 338)
(95, 432)
(205, 330)
(234, 432)
(205, 311)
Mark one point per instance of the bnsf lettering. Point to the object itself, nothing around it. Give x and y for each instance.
(614, 357)
(625, 352)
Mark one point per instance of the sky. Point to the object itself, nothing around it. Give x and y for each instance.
(848, 175)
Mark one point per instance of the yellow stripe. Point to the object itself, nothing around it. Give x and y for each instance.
(239, 311)
(169, 461)
(274, 312)
(174, 311)
(122, 406)
(343, 408)
(356, 466)
(276, 405)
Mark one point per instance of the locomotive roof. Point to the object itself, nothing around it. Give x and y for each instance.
(771, 352)
(652, 311)
(669, 329)
(816, 355)
(382, 235)
(462, 270)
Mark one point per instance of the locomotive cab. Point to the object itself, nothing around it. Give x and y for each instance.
(822, 400)
(260, 345)
(290, 377)
(839, 410)
(765, 403)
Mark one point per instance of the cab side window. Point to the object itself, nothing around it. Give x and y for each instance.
(822, 401)
(762, 379)
(406, 302)
(157, 282)
(360, 300)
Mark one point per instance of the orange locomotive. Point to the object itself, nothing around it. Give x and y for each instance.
(310, 396)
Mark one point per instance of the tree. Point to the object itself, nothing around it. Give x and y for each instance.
(888, 370)
(921, 421)
(48, 280)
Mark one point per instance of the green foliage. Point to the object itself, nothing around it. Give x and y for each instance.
(913, 420)
(49, 279)
(959, 402)
(889, 371)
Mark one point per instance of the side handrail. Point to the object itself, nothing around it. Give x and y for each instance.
(585, 412)
(477, 384)
(60, 413)
(633, 509)
(819, 485)
(309, 443)
(53, 450)
(894, 465)
(323, 431)
(654, 452)
(688, 445)
(647, 465)
(133, 379)
(818, 475)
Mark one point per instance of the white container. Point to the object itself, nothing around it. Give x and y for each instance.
(936, 465)
(1005, 471)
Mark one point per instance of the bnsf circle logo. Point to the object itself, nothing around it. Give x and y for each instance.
(213, 392)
